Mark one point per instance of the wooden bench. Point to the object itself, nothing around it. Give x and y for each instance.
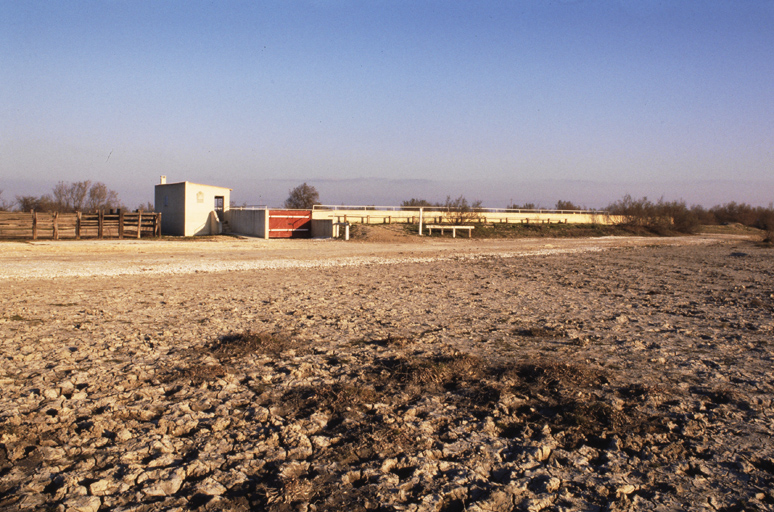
(431, 227)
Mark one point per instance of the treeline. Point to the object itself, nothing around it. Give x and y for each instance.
(675, 216)
(80, 196)
(660, 217)
(461, 202)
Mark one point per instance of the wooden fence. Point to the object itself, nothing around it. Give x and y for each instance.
(48, 225)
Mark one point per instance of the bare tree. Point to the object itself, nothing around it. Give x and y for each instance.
(102, 198)
(302, 197)
(61, 192)
(71, 197)
(146, 207)
(566, 205)
(4, 206)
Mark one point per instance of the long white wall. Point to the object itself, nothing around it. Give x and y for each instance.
(385, 216)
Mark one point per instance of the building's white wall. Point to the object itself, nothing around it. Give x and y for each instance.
(200, 201)
(170, 202)
(186, 208)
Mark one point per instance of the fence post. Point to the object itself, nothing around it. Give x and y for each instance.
(55, 222)
(34, 225)
(157, 226)
(120, 224)
(100, 224)
(139, 223)
(78, 225)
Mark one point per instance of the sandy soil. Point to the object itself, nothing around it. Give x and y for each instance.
(90, 258)
(606, 374)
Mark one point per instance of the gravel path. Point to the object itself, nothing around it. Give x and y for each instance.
(55, 259)
(611, 374)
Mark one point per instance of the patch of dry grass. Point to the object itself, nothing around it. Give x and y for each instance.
(232, 347)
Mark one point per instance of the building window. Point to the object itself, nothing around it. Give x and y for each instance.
(166, 200)
(200, 197)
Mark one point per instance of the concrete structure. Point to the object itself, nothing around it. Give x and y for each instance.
(249, 222)
(437, 215)
(189, 209)
(323, 228)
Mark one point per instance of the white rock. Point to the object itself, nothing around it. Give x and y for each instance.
(166, 487)
(83, 504)
(124, 434)
(541, 453)
(99, 487)
(210, 487)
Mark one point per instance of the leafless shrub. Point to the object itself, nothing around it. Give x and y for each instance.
(417, 203)
(525, 206)
(661, 217)
(71, 197)
(32, 203)
(458, 211)
(145, 207)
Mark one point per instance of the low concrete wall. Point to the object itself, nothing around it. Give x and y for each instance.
(322, 228)
(248, 222)
(363, 216)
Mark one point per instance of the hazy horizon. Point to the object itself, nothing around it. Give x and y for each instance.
(389, 192)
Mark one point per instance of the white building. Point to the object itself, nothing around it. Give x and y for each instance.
(189, 209)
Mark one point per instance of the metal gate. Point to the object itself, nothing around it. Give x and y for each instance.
(290, 223)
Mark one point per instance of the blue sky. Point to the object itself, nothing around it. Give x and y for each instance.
(378, 101)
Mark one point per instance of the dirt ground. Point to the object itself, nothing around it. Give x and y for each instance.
(388, 373)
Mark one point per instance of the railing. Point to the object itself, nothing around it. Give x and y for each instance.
(538, 211)
(250, 207)
(54, 225)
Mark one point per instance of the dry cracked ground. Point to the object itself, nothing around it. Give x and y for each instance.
(638, 377)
